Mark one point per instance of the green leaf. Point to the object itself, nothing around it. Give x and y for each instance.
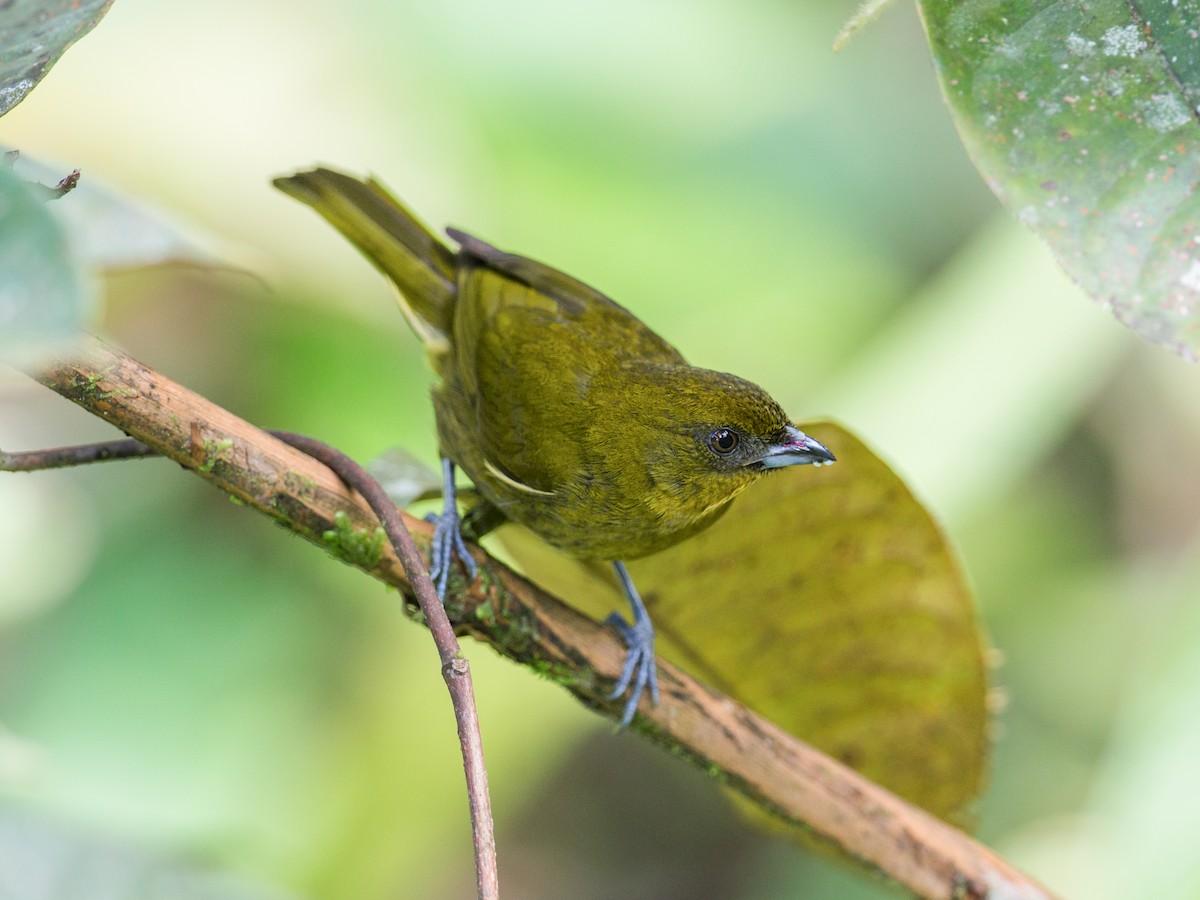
(829, 601)
(43, 296)
(44, 857)
(1083, 120)
(109, 231)
(33, 35)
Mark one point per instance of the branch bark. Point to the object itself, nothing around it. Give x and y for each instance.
(753, 756)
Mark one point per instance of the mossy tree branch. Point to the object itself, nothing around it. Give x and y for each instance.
(768, 766)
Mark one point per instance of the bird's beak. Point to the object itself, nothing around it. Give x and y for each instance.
(796, 449)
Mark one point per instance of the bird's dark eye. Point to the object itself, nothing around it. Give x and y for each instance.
(723, 440)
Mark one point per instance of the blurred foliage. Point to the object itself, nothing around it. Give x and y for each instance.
(108, 231)
(177, 678)
(43, 297)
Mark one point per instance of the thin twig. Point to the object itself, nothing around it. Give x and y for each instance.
(750, 754)
(62, 457)
(455, 668)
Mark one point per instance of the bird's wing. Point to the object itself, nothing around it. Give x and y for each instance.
(529, 342)
(524, 373)
(573, 301)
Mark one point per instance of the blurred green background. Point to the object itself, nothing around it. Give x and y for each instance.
(193, 703)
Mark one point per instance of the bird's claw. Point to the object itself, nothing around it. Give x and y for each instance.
(639, 670)
(447, 544)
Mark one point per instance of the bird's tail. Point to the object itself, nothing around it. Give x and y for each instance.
(392, 238)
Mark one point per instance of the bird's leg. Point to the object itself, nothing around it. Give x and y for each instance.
(447, 538)
(639, 669)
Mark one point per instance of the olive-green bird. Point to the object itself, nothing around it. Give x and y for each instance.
(571, 417)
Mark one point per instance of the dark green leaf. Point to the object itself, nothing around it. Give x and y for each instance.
(33, 35)
(1084, 120)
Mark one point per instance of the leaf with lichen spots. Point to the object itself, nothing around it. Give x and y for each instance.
(1084, 119)
(33, 35)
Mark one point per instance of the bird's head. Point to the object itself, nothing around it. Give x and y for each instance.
(704, 436)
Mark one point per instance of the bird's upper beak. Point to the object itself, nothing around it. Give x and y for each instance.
(796, 449)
